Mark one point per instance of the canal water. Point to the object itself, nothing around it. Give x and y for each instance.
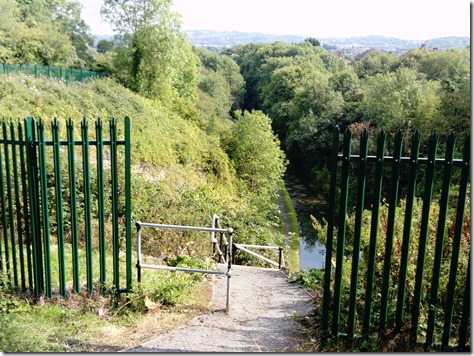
(305, 202)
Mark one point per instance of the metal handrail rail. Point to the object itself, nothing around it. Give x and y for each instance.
(212, 229)
(223, 240)
(281, 260)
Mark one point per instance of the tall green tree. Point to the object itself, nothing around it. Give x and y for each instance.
(44, 32)
(451, 69)
(375, 62)
(155, 59)
(56, 30)
(402, 100)
(256, 153)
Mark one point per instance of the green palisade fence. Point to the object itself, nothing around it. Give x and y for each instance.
(399, 241)
(65, 73)
(54, 212)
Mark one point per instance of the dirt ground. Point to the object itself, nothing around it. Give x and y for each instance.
(263, 307)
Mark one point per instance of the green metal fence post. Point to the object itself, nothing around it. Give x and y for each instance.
(11, 216)
(392, 208)
(374, 229)
(456, 244)
(44, 208)
(357, 232)
(4, 218)
(443, 209)
(25, 200)
(100, 199)
(33, 193)
(415, 149)
(73, 205)
(425, 217)
(16, 188)
(128, 204)
(330, 232)
(341, 232)
(466, 307)
(59, 206)
(115, 231)
(87, 204)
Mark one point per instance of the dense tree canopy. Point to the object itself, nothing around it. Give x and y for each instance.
(307, 91)
(256, 153)
(153, 56)
(44, 32)
(304, 89)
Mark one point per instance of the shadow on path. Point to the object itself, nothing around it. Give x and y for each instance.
(263, 306)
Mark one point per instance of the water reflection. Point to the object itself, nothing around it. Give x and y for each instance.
(312, 252)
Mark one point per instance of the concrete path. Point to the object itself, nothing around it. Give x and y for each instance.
(261, 317)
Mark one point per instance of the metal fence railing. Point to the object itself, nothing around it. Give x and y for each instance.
(65, 73)
(46, 212)
(281, 260)
(227, 258)
(386, 268)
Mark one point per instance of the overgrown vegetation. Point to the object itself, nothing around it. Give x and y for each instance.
(389, 341)
(202, 138)
(102, 322)
(192, 157)
(307, 91)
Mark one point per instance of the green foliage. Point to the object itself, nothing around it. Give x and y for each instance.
(256, 154)
(153, 57)
(226, 68)
(44, 32)
(11, 337)
(307, 91)
(310, 278)
(181, 173)
(400, 100)
(375, 62)
(395, 264)
(370, 345)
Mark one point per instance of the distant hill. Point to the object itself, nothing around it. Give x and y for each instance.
(223, 39)
(388, 43)
(206, 38)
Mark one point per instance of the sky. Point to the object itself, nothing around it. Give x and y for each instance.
(404, 19)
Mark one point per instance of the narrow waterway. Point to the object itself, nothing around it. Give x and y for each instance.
(305, 202)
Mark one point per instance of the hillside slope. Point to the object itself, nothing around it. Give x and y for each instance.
(181, 173)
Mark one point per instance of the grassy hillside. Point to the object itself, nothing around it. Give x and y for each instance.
(181, 173)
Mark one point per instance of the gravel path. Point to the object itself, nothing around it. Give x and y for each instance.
(261, 317)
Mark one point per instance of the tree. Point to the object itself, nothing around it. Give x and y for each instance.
(129, 16)
(104, 45)
(256, 154)
(225, 67)
(69, 18)
(57, 20)
(375, 62)
(313, 113)
(402, 100)
(451, 69)
(313, 41)
(155, 59)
